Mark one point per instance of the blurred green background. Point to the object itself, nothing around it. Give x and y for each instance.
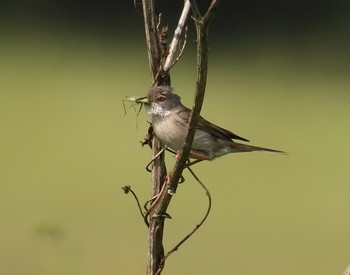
(279, 76)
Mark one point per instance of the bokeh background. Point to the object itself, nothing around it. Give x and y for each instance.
(279, 76)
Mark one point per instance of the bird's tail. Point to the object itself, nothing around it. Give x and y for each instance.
(239, 147)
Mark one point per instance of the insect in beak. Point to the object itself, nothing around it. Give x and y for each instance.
(142, 100)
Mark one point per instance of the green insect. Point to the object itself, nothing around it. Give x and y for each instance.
(133, 100)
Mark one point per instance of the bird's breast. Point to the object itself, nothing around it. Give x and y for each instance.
(169, 130)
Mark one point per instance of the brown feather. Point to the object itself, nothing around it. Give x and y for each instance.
(211, 128)
(239, 147)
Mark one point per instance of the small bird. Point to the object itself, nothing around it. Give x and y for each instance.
(170, 119)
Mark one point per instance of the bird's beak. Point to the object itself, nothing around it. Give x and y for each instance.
(143, 100)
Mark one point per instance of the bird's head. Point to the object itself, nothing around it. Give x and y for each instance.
(160, 101)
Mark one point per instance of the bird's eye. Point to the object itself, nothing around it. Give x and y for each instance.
(161, 98)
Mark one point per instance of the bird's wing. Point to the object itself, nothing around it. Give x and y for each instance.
(211, 128)
(217, 131)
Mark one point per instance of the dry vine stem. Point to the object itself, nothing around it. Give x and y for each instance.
(161, 77)
(176, 247)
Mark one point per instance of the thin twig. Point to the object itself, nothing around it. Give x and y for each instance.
(176, 247)
(156, 225)
(211, 10)
(195, 10)
(202, 68)
(182, 49)
(152, 38)
(177, 35)
(128, 189)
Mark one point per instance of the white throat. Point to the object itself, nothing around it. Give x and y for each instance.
(156, 110)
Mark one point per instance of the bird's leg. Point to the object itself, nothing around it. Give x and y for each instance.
(199, 156)
(190, 163)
